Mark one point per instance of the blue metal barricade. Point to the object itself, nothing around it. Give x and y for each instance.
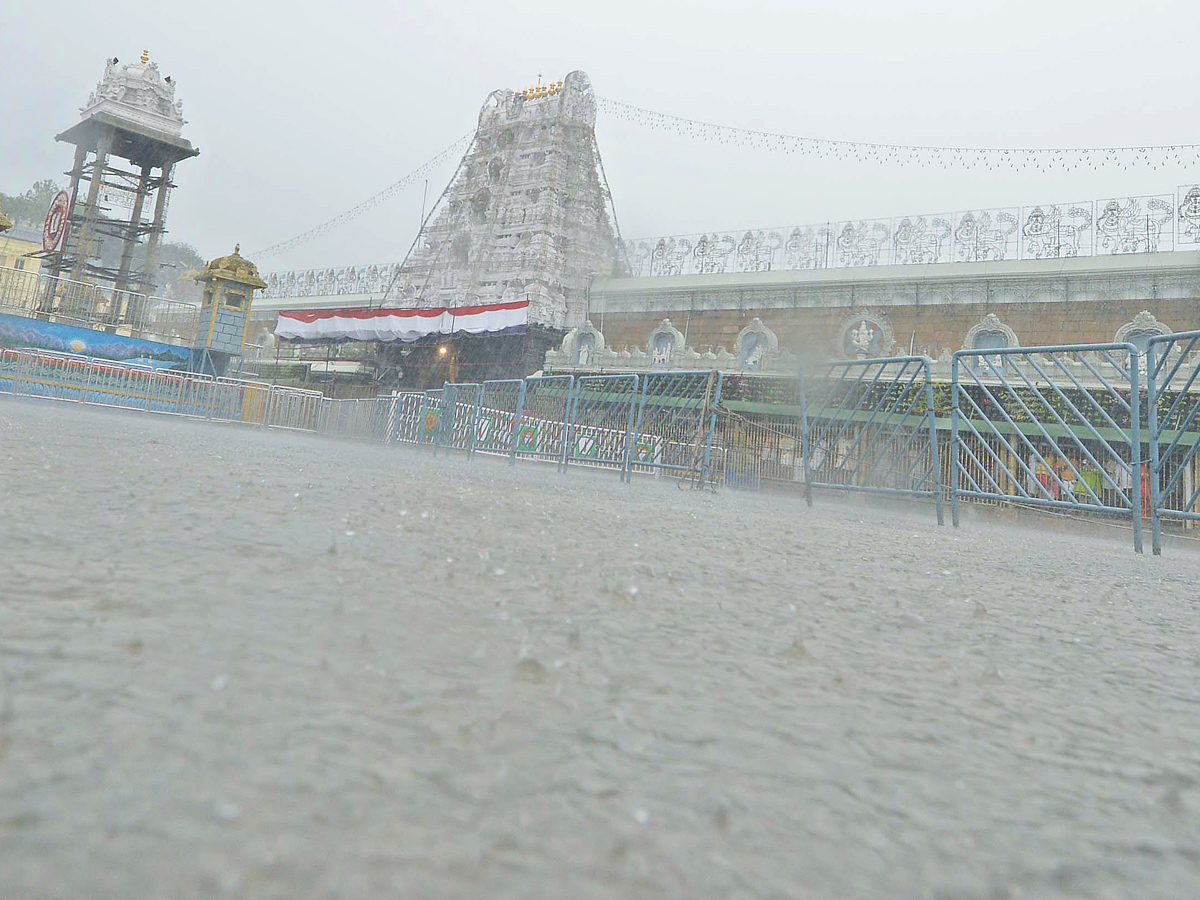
(675, 422)
(9, 358)
(500, 404)
(868, 425)
(368, 418)
(293, 408)
(406, 419)
(542, 418)
(600, 424)
(1173, 395)
(430, 423)
(460, 402)
(1049, 426)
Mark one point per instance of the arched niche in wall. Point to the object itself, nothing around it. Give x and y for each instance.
(756, 346)
(989, 333)
(665, 345)
(1139, 332)
(581, 345)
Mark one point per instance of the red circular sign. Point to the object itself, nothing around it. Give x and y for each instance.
(58, 220)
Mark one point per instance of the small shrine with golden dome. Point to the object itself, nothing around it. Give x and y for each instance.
(5, 222)
(229, 286)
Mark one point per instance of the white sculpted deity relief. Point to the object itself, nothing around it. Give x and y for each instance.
(1189, 215)
(860, 338)
(756, 251)
(1124, 225)
(671, 256)
(807, 248)
(985, 235)
(1057, 232)
(920, 242)
(639, 257)
(868, 333)
(711, 253)
(863, 244)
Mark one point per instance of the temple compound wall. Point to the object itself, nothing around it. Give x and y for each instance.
(713, 320)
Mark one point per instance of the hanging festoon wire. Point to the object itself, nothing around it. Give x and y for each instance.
(413, 177)
(1042, 158)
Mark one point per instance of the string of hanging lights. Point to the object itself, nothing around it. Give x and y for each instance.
(1016, 158)
(370, 203)
(1013, 158)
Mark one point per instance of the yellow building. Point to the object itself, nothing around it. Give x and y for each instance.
(17, 241)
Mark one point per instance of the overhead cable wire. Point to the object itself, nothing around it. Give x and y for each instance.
(371, 202)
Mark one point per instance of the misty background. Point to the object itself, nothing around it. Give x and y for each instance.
(301, 112)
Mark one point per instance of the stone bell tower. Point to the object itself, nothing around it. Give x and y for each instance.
(229, 286)
(131, 116)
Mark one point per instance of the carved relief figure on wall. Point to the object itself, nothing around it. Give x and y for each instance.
(806, 248)
(1124, 228)
(867, 334)
(1189, 216)
(662, 350)
(984, 237)
(862, 244)
(920, 242)
(1051, 233)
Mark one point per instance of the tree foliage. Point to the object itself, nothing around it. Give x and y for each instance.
(30, 207)
(176, 262)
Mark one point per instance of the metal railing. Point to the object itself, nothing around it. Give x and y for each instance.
(101, 382)
(54, 298)
(1172, 372)
(676, 421)
(868, 426)
(460, 408)
(1061, 428)
(1075, 451)
(542, 420)
(500, 405)
(600, 421)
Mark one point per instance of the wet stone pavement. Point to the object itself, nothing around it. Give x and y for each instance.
(238, 663)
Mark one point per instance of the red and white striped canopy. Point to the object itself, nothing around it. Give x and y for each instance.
(366, 324)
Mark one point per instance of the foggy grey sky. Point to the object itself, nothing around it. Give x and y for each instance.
(301, 111)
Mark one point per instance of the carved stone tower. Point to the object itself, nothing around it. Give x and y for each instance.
(526, 216)
(132, 115)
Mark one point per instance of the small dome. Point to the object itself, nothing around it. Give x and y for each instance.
(234, 268)
(5, 222)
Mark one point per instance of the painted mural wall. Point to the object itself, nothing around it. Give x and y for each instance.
(18, 332)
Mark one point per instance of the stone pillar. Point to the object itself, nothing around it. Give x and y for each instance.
(157, 227)
(87, 226)
(131, 236)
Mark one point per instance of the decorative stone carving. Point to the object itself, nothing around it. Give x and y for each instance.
(665, 344)
(498, 219)
(756, 346)
(582, 345)
(138, 93)
(865, 334)
(990, 333)
(1143, 327)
